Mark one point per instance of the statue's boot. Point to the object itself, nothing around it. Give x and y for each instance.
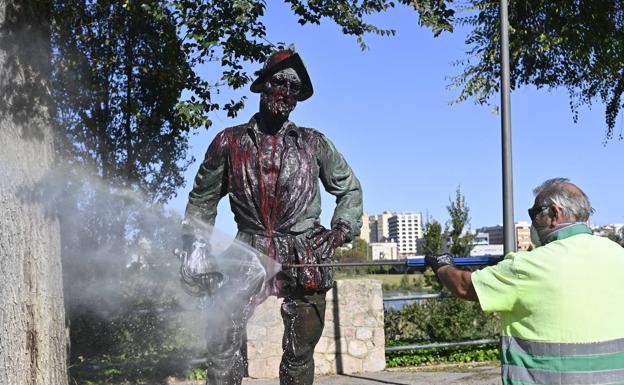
(224, 369)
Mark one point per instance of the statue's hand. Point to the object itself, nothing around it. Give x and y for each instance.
(198, 268)
(330, 240)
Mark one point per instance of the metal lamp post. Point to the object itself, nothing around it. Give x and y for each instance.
(509, 229)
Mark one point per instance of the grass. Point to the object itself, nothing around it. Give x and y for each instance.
(389, 281)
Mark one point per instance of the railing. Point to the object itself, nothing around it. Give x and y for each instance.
(439, 345)
(419, 262)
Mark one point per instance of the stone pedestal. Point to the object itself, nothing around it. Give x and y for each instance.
(352, 341)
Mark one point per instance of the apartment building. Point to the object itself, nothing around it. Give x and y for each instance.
(405, 229)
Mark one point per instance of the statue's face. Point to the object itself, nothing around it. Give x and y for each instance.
(280, 93)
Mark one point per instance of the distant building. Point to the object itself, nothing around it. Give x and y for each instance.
(523, 235)
(384, 251)
(365, 230)
(401, 229)
(495, 234)
(405, 229)
(481, 239)
(493, 250)
(375, 227)
(606, 230)
(379, 230)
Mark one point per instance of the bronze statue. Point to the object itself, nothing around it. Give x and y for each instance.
(270, 169)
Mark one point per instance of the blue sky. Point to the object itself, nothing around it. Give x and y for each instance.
(387, 110)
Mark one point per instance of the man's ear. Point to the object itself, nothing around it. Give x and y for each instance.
(556, 215)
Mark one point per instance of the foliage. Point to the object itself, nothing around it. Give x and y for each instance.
(616, 236)
(128, 75)
(446, 319)
(118, 76)
(122, 289)
(136, 317)
(137, 330)
(357, 252)
(349, 15)
(477, 353)
(143, 369)
(434, 238)
(231, 33)
(440, 320)
(196, 374)
(408, 282)
(389, 282)
(613, 236)
(404, 284)
(459, 212)
(460, 241)
(560, 43)
(434, 243)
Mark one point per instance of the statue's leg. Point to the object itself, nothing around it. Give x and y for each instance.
(225, 337)
(303, 318)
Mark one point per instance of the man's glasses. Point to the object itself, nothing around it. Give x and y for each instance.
(533, 211)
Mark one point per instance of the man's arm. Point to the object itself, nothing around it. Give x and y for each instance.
(458, 281)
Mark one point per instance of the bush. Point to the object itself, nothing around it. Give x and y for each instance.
(440, 320)
(443, 320)
(142, 319)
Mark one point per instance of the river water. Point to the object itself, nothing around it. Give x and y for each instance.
(398, 304)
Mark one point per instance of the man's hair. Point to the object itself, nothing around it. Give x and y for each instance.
(568, 196)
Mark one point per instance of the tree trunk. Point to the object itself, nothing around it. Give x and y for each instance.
(32, 318)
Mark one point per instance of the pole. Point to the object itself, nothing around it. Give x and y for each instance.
(509, 228)
(409, 262)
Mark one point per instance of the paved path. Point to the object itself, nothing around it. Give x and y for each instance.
(463, 375)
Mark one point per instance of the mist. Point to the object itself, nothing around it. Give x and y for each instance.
(122, 264)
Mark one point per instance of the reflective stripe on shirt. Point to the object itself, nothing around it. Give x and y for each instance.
(531, 362)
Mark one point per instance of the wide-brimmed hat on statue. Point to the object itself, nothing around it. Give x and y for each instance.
(279, 61)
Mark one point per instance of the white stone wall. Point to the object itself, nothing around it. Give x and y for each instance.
(352, 341)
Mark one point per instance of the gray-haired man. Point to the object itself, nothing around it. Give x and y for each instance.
(560, 304)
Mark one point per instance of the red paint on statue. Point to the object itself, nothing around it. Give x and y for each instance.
(268, 173)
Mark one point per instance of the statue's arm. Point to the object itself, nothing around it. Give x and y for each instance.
(339, 180)
(210, 185)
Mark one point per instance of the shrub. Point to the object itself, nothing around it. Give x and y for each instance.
(440, 320)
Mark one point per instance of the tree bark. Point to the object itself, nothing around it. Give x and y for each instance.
(33, 346)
